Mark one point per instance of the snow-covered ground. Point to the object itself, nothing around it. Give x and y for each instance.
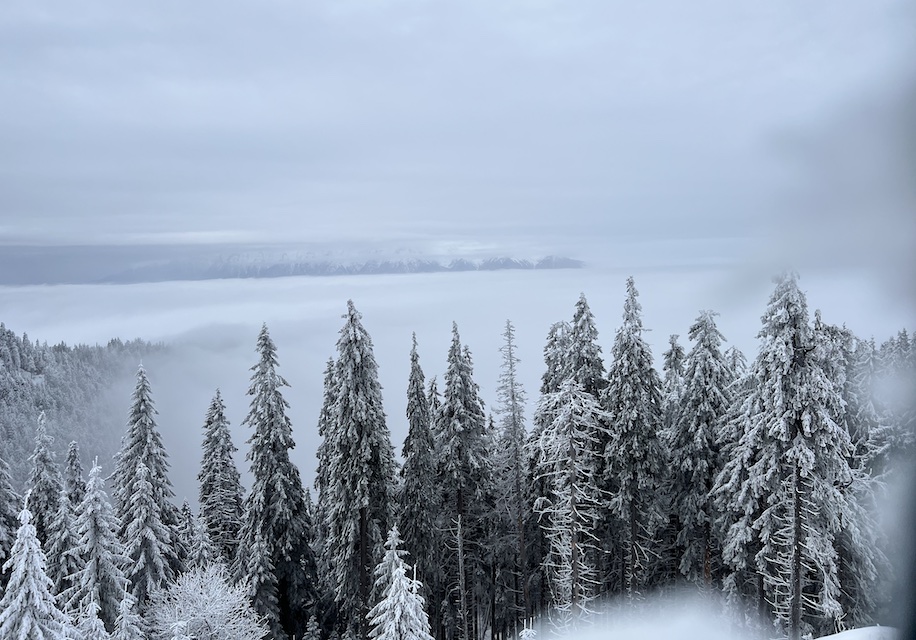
(867, 633)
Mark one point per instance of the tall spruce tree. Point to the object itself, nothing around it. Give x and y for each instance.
(221, 495)
(63, 554)
(28, 610)
(141, 446)
(278, 562)
(142, 489)
(696, 428)
(634, 456)
(74, 484)
(536, 485)
(361, 473)
(101, 579)
(464, 474)
(9, 501)
(144, 539)
(418, 497)
(326, 579)
(583, 362)
(783, 487)
(510, 469)
(556, 353)
(571, 511)
(673, 380)
(45, 483)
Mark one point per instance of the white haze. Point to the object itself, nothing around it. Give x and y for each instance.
(211, 329)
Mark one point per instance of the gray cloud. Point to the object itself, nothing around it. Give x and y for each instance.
(257, 122)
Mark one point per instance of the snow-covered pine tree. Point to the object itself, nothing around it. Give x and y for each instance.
(278, 563)
(141, 446)
(322, 508)
(145, 538)
(696, 427)
(221, 495)
(28, 610)
(45, 483)
(510, 469)
(201, 551)
(571, 512)
(101, 579)
(673, 379)
(90, 626)
(312, 630)
(62, 546)
(583, 362)
(672, 389)
(74, 484)
(9, 502)
(418, 497)
(463, 474)
(536, 485)
(634, 458)
(736, 361)
(556, 352)
(361, 473)
(860, 554)
(128, 625)
(399, 614)
(783, 485)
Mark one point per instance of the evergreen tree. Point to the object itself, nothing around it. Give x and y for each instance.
(697, 425)
(556, 353)
(128, 624)
(201, 551)
(634, 456)
(673, 382)
(361, 472)
(322, 479)
(28, 610)
(510, 463)
(63, 555)
(312, 630)
(101, 580)
(8, 504)
(221, 495)
(570, 513)
(418, 497)
(278, 563)
(74, 485)
(399, 615)
(464, 475)
(736, 361)
(90, 627)
(583, 362)
(142, 471)
(783, 487)
(144, 538)
(45, 483)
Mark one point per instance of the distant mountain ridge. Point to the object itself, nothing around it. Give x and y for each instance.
(256, 266)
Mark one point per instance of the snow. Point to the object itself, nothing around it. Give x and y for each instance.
(867, 633)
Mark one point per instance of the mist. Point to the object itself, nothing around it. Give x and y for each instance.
(211, 327)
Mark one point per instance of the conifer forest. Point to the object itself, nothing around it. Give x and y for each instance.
(750, 481)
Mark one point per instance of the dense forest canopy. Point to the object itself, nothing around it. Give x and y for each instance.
(754, 478)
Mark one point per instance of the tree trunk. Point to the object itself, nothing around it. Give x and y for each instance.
(364, 572)
(796, 575)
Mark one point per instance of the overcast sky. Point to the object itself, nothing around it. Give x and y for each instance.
(454, 122)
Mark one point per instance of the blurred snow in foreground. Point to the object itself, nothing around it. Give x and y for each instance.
(867, 633)
(686, 619)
